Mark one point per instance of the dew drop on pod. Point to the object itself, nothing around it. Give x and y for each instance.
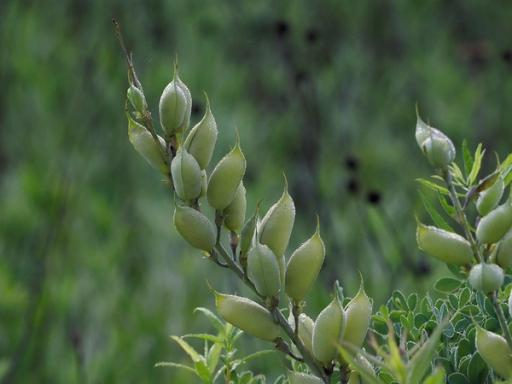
(195, 227)
(263, 270)
(304, 265)
(201, 140)
(493, 226)
(226, 178)
(247, 315)
(443, 245)
(486, 277)
(186, 175)
(234, 214)
(489, 198)
(303, 378)
(175, 107)
(136, 98)
(358, 316)
(144, 143)
(504, 251)
(306, 325)
(435, 145)
(495, 351)
(328, 331)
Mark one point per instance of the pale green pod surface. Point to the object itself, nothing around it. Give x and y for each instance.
(443, 245)
(358, 314)
(201, 140)
(136, 98)
(234, 214)
(486, 277)
(504, 251)
(276, 227)
(175, 107)
(226, 178)
(186, 175)
(303, 378)
(195, 228)
(247, 233)
(303, 267)
(204, 183)
(489, 199)
(493, 226)
(144, 143)
(437, 147)
(495, 351)
(247, 315)
(328, 331)
(263, 270)
(306, 325)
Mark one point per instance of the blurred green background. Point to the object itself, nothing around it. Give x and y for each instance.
(93, 278)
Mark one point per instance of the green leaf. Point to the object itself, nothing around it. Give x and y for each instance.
(191, 352)
(447, 284)
(203, 372)
(216, 322)
(457, 378)
(203, 336)
(437, 377)
(447, 207)
(412, 301)
(468, 158)
(436, 217)
(175, 365)
(479, 154)
(433, 186)
(212, 359)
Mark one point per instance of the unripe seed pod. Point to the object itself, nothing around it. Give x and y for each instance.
(144, 143)
(136, 98)
(489, 199)
(226, 178)
(504, 251)
(175, 107)
(493, 226)
(247, 315)
(443, 245)
(486, 277)
(276, 227)
(358, 314)
(263, 270)
(304, 265)
(201, 140)
(204, 183)
(247, 234)
(234, 214)
(328, 331)
(195, 228)
(186, 175)
(306, 325)
(437, 147)
(495, 351)
(303, 378)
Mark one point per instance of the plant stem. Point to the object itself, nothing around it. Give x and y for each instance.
(501, 318)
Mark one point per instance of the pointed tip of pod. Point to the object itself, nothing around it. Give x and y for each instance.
(207, 101)
(317, 231)
(176, 68)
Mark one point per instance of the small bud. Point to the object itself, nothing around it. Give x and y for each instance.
(489, 198)
(276, 227)
(195, 228)
(328, 331)
(358, 314)
(136, 98)
(436, 146)
(493, 226)
(304, 265)
(234, 214)
(144, 143)
(303, 378)
(247, 315)
(306, 325)
(495, 351)
(263, 270)
(201, 140)
(504, 251)
(443, 245)
(175, 106)
(186, 175)
(486, 277)
(226, 178)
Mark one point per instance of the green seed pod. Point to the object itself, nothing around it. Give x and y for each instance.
(247, 234)
(358, 314)
(226, 178)
(306, 325)
(436, 146)
(204, 183)
(504, 251)
(195, 228)
(328, 331)
(201, 140)
(304, 266)
(276, 227)
(136, 98)
(234, 214)
(175, 106)
(247, 315)
(263, 270)
(186, 175)
(144, 143)
(486, 277)
(303, 378)
(495, 351)
(493, 226)
(489, 199)
(443, 245)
